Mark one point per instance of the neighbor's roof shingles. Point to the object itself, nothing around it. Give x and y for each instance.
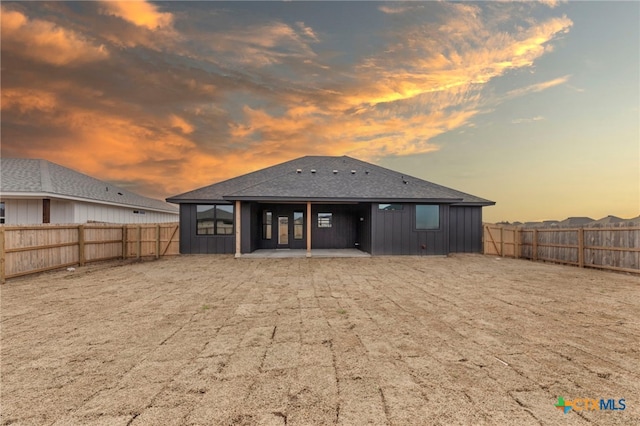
(25, 176)
(369, 182)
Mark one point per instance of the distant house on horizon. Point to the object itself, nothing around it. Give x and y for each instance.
(34, 191)
(576, 221)
(322, 202)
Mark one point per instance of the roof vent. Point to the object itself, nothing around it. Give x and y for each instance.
(404, 180)
(353, 172)
(335, 172)
(366, 172)
(298, 171)
(313, 170)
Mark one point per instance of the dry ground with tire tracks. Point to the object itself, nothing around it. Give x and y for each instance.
(385, 340)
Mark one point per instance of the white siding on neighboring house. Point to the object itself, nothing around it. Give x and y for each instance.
(74, 197)
(29, 212)
(61, 211)
(22, 211)
(84, 212)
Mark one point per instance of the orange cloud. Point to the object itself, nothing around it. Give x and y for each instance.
(181, 123)
(44, 41)
(437, 63)
(266, 44)
(169, 128)
(538, 87)
(404, 97)
(398, 8)
(28, 100)
(120, 149)
(140, 13)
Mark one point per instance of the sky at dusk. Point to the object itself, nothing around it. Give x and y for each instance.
(532, 105)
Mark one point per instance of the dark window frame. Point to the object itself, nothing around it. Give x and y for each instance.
(437, 209)
(298, 226)
(328, 222)
(215, 225)
(390, 207)
(3, 212)
(267, 225)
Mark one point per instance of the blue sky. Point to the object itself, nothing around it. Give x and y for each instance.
(532, 105)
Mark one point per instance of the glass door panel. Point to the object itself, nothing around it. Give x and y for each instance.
(283, 230)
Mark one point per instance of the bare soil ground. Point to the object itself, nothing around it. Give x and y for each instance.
(386, 340)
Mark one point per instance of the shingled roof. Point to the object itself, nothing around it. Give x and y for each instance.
(41, 178)
(327, 179)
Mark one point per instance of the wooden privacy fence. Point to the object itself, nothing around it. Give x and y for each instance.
(37, 248)
(616, 249)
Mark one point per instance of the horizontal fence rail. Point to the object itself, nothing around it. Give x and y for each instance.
(616, 249)
(37, 248)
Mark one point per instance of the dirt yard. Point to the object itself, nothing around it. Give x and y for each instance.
(203, 340)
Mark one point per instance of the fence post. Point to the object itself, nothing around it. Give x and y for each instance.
(81, 257)
(484, 238)
(581, 247)
(516, 242)
(2, 254)
(501, 241)
(158, 241)
(139, 242)
(534, 255)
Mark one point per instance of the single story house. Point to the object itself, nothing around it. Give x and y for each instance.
(39, 192)
(321, 202)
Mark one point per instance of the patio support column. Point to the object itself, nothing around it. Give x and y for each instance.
(238, 230)
(308, 228)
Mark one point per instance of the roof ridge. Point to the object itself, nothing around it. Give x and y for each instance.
(45, 177)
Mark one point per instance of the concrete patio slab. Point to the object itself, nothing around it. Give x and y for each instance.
(292, 253)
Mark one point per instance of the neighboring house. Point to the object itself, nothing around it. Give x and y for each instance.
(608, 221)
(38, 191)
(575, 222)
(319, 202)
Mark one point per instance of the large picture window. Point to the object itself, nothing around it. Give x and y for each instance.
(427, 216)
(214, 219)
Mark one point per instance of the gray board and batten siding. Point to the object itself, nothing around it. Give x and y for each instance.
(347, 190)
(363, 226)
(192, 243)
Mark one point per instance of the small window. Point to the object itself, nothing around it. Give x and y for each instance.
(298, 225)
(325, 220)
(214, 219)
(389, 207)
(139, 212)
(427, 216)
(2, 212)
(267, 218)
